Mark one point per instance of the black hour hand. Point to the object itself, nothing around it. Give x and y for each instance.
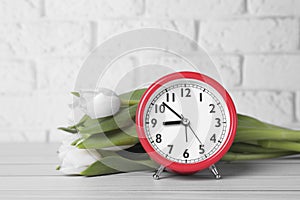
(172, 122)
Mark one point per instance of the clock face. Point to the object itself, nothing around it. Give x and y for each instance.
(186, 121)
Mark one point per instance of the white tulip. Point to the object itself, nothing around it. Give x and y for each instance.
(74, 160)
(102, 103)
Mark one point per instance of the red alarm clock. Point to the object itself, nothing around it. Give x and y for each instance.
(186, 122)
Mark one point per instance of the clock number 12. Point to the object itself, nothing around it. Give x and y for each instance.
(185, 92)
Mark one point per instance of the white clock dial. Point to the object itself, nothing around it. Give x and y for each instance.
(186, 121)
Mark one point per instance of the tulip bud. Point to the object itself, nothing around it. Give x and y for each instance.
(74, 160)
(102, 103)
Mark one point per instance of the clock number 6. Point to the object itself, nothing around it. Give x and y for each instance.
(186, 154)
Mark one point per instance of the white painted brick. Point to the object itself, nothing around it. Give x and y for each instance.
(93, 9)
(17, 112)
(16, 76)
(194, 8)
(42, 111)
(53, 110)
(22, 135)
(297, 106)
(45, 38)
(228, 66)
(272, 107)
(256, 35)
(274, 7)
(160, 63)
(107, 28)
(19, 9)
(229, 69)
(120, 75)
(280, 72)
(58, 75)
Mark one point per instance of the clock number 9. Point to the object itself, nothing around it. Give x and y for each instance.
(153, 122)
(186, 154)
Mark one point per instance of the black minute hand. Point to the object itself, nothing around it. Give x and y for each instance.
(172, 110)
(194, 133)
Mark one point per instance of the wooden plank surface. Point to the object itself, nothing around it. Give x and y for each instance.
(27, 171)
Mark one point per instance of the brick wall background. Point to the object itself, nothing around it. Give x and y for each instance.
(256, 43)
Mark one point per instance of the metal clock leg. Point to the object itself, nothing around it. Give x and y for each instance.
(215, 171)
(158, 172)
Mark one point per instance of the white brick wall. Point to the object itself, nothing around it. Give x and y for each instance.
(254, 43)
(194, 8)
(45, 38)
(107, 28)
(17, 76)
(274, 7)
(93, 9)
(250, 35)
(271, 106)
(20, 9)
(274, 72)
(57, 75)
(297, 106)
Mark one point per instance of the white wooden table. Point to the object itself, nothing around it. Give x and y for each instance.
(28, 172)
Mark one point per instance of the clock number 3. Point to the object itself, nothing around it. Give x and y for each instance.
(218, 122)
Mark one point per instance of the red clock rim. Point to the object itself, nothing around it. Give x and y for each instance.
(185, 168)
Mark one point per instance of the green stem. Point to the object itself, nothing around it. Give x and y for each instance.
(230, 156)
(290, 146)
(110, 139)
(77, 94)
(117, 164)
(69, 130)
(131, 98)
(249, 148)
(125, 103)
(246, 134)
(122, 119)
(76, 141)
